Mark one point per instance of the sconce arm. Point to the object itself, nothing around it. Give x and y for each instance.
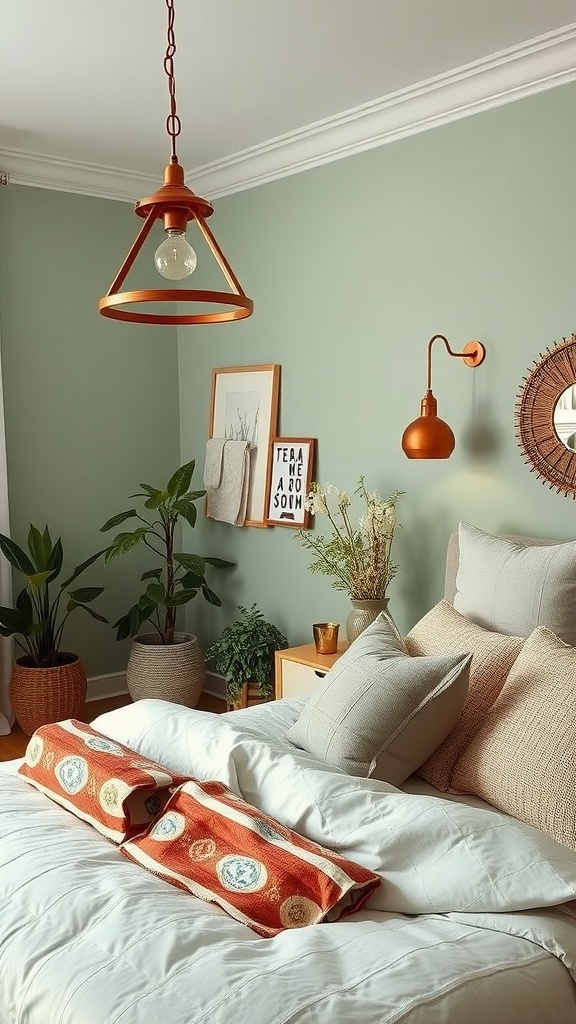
(474, 353)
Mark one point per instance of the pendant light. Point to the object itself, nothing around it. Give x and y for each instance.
(429, 437)
(176, 205)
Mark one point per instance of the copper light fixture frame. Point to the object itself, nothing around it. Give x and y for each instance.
(544, 452)
(176, 205)
(473, 354)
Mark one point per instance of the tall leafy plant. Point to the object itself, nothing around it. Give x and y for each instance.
(37, 621)
(180, 576)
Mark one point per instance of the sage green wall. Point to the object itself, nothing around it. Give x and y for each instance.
(468, 230)
(91, 406)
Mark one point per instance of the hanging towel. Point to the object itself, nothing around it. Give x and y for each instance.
(213, 463)
(229, 500)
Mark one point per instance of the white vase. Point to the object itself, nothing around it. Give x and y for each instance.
(362, 614)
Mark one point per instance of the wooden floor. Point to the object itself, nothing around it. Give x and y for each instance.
(15, 744)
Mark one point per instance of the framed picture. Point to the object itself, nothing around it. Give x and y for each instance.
(244, 407)
(290, 476)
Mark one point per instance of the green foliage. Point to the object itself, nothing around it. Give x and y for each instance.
(36, 618)
(180, 576)
(245, 650)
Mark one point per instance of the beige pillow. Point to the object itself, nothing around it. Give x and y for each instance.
(380, 712)
(444, 631)
(523, 759)
(512, 588)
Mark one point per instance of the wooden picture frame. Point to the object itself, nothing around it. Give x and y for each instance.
(291, 466)
(244, 406)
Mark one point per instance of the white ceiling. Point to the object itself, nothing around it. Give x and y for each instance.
(83, 94)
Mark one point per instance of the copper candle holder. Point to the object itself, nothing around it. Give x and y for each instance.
(326, 637)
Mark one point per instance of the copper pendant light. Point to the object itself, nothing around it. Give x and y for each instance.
(176, 205)
(429, 437)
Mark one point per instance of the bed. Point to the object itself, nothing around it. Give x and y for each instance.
(474, 919)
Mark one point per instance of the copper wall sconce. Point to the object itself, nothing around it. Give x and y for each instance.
(176, 205)
(429, 437)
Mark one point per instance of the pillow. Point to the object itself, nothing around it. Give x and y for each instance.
(379, 711)
(523, 759)
(101, 781)
(512, 588)
(444, 631)
(213, 844)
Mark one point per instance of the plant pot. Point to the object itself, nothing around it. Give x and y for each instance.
(249, 695)
(166, 671)
(40, 696)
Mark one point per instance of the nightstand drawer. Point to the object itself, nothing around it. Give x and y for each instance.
(299, 680)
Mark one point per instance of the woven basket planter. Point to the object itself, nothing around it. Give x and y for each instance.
(40, 696)
(166, 671)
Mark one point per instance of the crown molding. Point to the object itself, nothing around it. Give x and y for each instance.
(520, 71)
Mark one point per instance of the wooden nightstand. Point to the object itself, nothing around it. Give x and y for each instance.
(300, 670)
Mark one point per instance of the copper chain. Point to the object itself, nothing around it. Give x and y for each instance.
(173, 126)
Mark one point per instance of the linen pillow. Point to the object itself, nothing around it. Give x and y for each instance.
(101, 781)
(511, 588)
(444, 631)
(380, 712)
(213, 844)
(523, 759)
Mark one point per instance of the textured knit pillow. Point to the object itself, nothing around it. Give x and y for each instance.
(215, 845)
(513, 588)
(103, 782)
(444, 631)
(380, 712)
(523, 759)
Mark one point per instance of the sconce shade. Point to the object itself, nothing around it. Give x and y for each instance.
(428, 437)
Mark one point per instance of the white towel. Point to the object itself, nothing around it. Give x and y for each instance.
(229, 500)
(213, 463)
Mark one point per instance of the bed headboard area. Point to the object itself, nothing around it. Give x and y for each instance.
(453, 557)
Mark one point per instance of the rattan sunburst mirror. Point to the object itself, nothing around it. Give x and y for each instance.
(546, 417)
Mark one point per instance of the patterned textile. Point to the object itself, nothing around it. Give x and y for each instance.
(512, 588)
(213, 844)
(103, 782)
(523, 759)
(380, 713)
(444, 631)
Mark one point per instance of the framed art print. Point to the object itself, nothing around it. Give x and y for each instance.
(244, 407)
(290, 476)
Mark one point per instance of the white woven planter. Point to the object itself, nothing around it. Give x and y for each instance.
(166, 671)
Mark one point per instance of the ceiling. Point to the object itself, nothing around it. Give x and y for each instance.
(264, 87)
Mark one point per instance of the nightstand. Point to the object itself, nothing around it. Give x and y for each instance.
(300, 670)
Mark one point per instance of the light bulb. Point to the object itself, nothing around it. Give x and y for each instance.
(175, 258)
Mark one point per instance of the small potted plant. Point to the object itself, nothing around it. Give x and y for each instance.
(244, 654)
(166, 663)
(47, 684)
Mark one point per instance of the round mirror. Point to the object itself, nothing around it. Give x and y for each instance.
(546, 417)
(565, 417)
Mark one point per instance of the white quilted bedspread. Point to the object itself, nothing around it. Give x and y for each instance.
(464, 927)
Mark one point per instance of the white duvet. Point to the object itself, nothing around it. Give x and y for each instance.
(466, 926)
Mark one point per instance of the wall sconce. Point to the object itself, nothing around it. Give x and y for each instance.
(429, 437)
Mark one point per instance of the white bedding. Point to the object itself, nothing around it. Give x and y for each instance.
(461, 930)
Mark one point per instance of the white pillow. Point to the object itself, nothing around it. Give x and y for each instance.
(380, 712)
(512, 589)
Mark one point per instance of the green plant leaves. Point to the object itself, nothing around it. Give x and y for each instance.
(180, 597)
(124, 542)
(84, 594)
(81, 568)
(187, 510)
(194, 563)
(16, 556)
(179, 482)
(72, 604)
(211, 597)
(156, 592)
(219, 563)
(40, 547)
(116, 520)
(152, 574)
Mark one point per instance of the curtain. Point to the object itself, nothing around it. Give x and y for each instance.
(6, 715)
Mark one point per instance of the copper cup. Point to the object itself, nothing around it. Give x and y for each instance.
(326, 637)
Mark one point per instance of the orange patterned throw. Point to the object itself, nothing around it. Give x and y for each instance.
(108, 785)
(213, 844)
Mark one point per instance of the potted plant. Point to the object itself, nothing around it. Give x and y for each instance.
(166, 663)
(47, 684)
(244, 654)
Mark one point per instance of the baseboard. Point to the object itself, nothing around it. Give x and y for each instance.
(114, 685)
